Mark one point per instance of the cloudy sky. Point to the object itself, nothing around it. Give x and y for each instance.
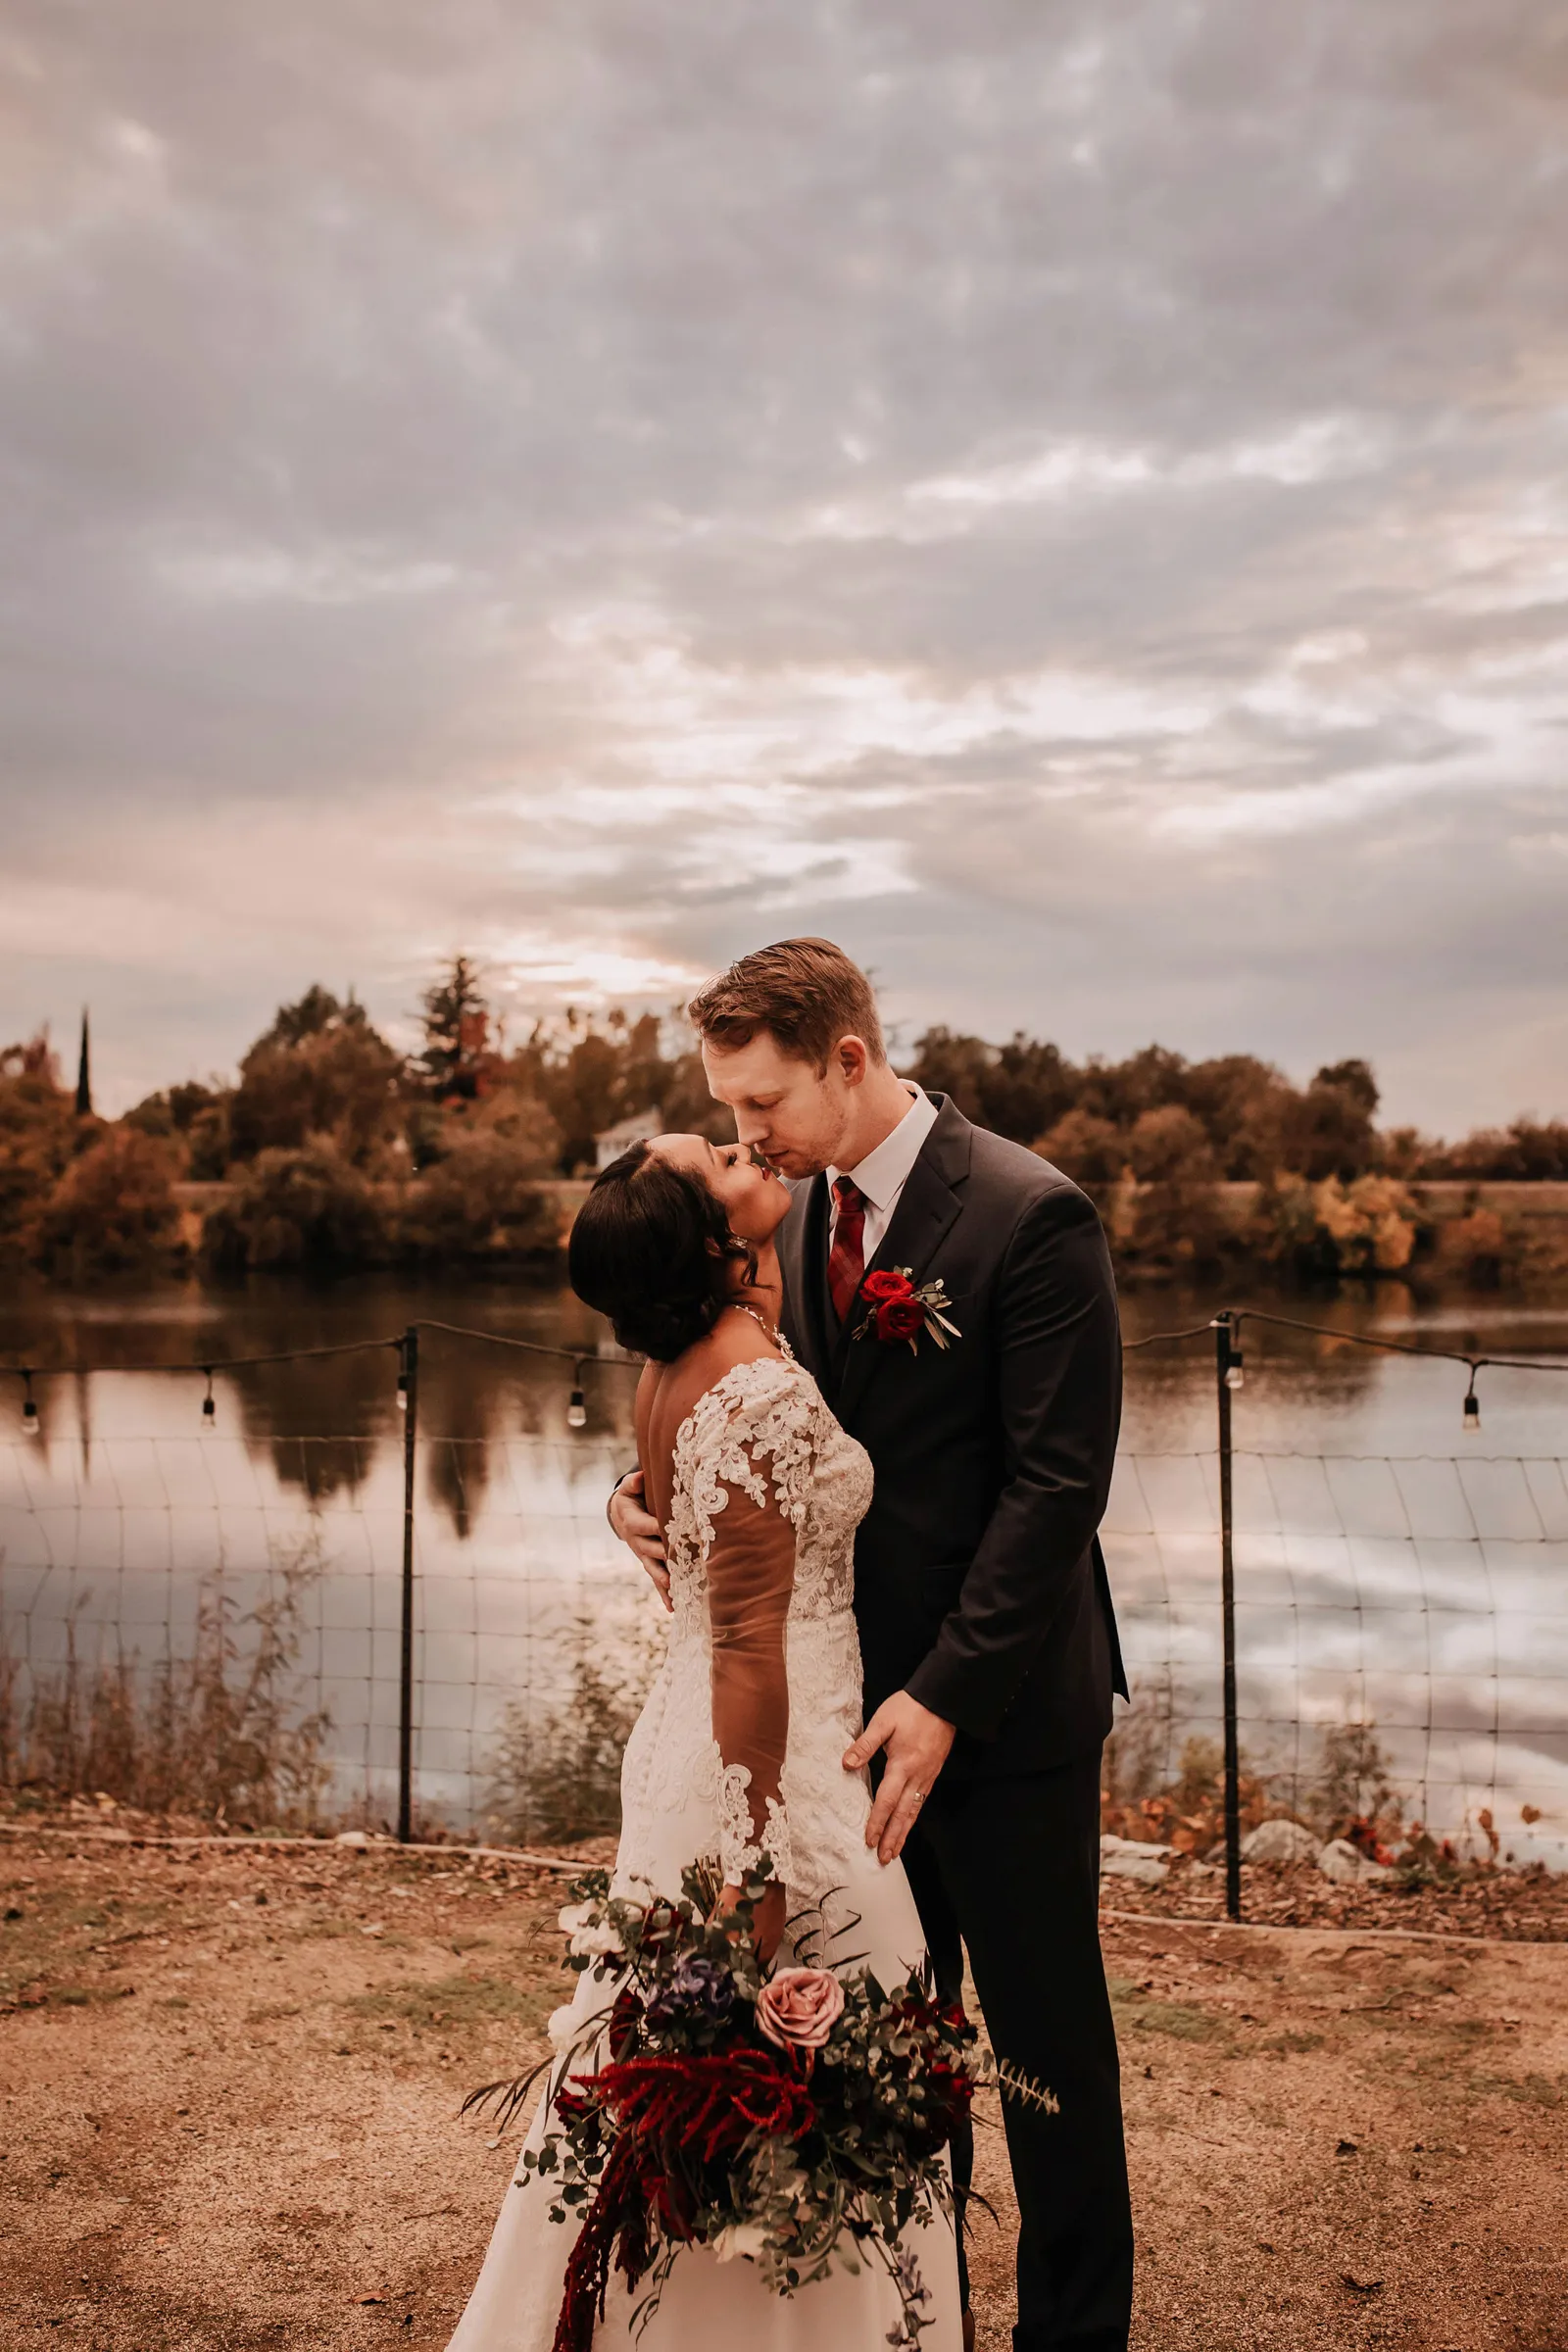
(1069, 498)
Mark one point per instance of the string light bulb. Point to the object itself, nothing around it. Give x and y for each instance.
(30, 1408)
(209, 1405)
(1234, 1375)
(577, 1404)
(402, 1386)
(1472, 1410)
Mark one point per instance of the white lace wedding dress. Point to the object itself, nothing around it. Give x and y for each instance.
(738, 1752)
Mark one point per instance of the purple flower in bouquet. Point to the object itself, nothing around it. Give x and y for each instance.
(695, 1989)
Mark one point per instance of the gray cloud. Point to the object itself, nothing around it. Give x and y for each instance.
(1070, 500)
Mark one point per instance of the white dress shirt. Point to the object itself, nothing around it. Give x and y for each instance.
(883, 1173)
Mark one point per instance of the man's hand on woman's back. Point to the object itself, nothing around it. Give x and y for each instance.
(634, 1523)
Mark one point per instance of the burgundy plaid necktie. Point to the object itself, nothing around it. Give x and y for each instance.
(845, 1260)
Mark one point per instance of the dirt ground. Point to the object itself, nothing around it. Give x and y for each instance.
(232, 2080)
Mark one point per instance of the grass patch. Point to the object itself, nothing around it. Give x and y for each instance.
(269, 2013)
(1139, 2012)
(454, 2004)
(1293, 2045)
(1177, 2019)
(1533, 2090)
(47, 1938)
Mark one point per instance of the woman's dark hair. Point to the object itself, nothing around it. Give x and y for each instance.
(650, 1248)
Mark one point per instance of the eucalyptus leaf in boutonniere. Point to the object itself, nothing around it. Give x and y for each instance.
(899, 1312)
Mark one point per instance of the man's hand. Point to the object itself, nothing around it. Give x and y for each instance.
(637, 1528)
(918, 1744)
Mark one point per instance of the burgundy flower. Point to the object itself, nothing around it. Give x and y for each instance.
(900, 1319)
(884, 1284)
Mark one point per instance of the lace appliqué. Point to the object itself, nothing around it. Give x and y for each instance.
(761, 1413)
(764, 1431)
(739, 1850)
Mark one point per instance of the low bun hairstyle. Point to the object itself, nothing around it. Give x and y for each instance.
(651, 1247)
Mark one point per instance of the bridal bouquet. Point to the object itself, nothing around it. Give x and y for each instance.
(791, 2118)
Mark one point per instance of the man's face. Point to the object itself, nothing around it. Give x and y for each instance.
(795, 1115)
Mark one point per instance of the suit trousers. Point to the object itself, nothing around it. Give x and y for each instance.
(1010, 1869)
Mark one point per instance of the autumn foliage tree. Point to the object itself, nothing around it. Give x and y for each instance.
(319, 1072)
(113, 1211)
(37, 1130)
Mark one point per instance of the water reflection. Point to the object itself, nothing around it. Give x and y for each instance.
(1390, 1567)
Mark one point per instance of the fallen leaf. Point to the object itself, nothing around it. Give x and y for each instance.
(1347, 2147)
(1362, 2286)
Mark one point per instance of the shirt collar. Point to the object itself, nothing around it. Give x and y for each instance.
(883, 1173)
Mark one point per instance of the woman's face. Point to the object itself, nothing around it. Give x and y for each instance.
(754, 1200)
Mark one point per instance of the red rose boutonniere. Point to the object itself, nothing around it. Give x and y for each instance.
(900, 1314)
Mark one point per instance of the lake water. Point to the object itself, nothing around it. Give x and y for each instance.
(1393, 1566)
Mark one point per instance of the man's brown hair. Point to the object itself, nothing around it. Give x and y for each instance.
(805, 992)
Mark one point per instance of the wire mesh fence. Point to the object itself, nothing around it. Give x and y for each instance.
(217, 1614)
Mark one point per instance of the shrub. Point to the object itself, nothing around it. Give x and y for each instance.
(1480, 1247)
(308, 1210)
(559, 1779)
(113, 1211)
(221, 1734)
(37, 1125)
(479, 1200)
(1320, 1231)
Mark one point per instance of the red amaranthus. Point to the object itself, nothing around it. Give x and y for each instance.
(795, 2119)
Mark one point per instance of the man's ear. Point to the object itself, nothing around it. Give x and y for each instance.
(854, 1060)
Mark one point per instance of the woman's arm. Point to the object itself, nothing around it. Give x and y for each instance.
(750, 1578)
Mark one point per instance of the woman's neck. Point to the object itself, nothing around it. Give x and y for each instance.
(764, 1295)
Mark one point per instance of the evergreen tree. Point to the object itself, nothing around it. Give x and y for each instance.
(83, 1074)
(457, 1027)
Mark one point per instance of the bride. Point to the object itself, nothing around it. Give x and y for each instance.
(738, 1752)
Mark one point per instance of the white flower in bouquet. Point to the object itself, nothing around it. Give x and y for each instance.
(741, 2241)
(591, 1934)
(563, 2026)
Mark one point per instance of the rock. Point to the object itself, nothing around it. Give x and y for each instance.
(1131, 1859)
(357, 1838)
(1347, 1866)
(1146, 1870)
(1279, 1841)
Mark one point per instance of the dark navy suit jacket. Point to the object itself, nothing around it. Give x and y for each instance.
(980, 1583)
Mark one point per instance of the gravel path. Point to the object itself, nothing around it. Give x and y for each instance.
(231, 2081)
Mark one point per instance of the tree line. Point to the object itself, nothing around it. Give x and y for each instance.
(336, 1150)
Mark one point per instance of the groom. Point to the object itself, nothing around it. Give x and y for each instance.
(986, 1625)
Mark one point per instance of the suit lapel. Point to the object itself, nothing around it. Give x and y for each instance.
(928, 1206)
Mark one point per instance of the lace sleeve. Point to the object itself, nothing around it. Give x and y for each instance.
(751, 1476)
(751, 1575)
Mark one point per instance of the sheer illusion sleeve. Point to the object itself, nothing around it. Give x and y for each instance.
(750, 1479)
(751, 1577)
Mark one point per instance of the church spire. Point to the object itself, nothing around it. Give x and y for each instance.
(83, 1074)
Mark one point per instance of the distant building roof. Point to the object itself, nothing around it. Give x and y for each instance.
(635, 1128)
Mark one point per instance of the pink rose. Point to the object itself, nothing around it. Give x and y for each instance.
(795, 2009)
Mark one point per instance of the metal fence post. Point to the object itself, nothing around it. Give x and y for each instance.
(1227, 1360)
(409, 1385)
